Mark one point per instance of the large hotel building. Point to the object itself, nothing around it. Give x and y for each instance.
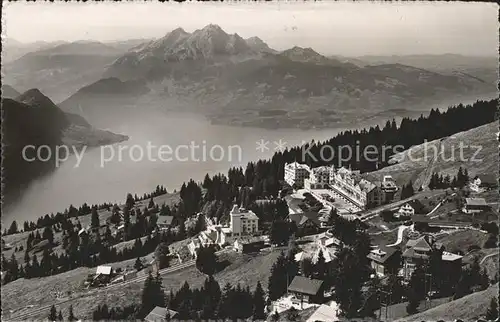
(344, 182)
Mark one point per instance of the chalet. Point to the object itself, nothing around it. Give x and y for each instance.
(249, 245)
(475, 205)
(328, 241)
(164, 222)
(102, 275)
(486, 181)
(418, 252)
(405, 211)
(385, 260)
(306, 290)
(161, 314)
(307, 223)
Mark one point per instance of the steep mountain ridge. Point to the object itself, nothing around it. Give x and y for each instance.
(235, 81)
(32, 119)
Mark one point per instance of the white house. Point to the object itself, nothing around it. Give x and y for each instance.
(193, 246)
(319, 178)
(475, 205)
(243, 222)
(405, 211)
(103, 270)
(296, 173)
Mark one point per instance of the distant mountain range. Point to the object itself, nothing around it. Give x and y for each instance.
(31, 118)
(63, 68)
(232, 80)
(484, 68)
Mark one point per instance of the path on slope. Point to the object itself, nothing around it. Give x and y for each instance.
(39, 310)
(401, 230)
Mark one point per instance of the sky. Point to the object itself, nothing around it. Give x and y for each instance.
(331, 28)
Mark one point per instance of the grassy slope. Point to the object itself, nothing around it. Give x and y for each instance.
(241, 268)
(469, 307)
(462, 240)
(483, 136)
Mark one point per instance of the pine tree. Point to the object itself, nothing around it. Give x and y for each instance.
(206, 260)
(53, 313)
(259, 303)
(94, 219)
(278, 280)
(60, 316)
(71, 316)
(138, 264)
(492, 312)
(129, 202)
(320, 266)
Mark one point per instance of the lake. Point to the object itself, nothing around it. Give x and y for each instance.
(192, 148)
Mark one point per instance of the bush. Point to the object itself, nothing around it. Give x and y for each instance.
(387, 215)
(473, 248)
(292, 314)
(491, 242)
(491, 227)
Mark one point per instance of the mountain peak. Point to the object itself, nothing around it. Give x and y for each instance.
(177, 32)
(213, 28)
(33, 97)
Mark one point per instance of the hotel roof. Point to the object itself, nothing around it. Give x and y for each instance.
(297, 165)
(475, 202)
(305, 285)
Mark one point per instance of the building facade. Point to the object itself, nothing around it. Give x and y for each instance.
(475, 205)
(405, 211)
(355, 190)
(296, 173)
(319, 178)
(385, 260)
(243, 222)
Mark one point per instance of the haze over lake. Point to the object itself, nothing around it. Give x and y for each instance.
(92, 183)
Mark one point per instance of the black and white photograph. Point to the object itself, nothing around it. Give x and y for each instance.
(307, 161)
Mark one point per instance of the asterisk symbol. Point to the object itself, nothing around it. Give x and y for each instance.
(280, 145)
(262, 145)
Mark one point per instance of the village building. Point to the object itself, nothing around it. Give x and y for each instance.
(307, 223)
(319, 178)
(296, 173)
(164, 222)
(103, 275)
(306, 290)
(243, 222)
(405, 211)
(483, 182)
(249, 244)
(161, 314)
(385, 260)
(475, 205)
(417, 252)
(342, 183)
